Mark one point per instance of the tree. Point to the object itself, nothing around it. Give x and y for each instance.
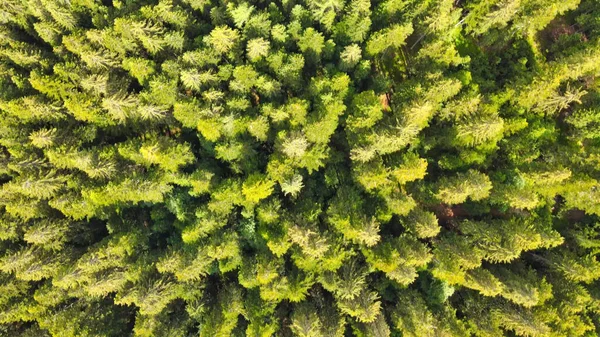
(311, 40)
(457, 189)
(257, 48)
(223, 39)
(393, 37)
(424, 224)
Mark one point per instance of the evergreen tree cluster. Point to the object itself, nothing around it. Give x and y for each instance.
(312, 168)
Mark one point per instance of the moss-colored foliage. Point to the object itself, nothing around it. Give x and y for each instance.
(316, 168)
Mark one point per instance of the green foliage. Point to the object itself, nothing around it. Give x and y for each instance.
(456, 189)
(318, 168)
(422, 223)
(393, 37)
(311, 40)
(222, 39)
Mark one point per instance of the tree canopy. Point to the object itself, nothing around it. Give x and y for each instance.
(312, 168)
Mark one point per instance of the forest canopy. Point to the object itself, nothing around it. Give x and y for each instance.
(312, 168)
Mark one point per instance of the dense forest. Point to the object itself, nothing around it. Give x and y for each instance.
(312, 168)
